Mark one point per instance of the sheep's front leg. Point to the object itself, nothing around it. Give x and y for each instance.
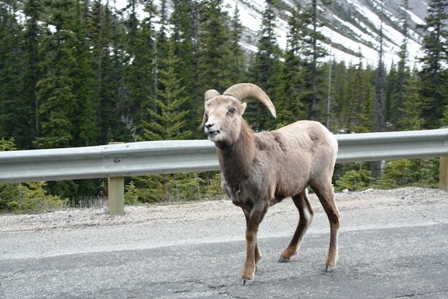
(253, 219)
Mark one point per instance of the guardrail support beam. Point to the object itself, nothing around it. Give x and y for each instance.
(115, 200)
(443, 173)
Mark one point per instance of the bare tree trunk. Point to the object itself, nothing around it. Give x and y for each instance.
(314, 66)
(380, 83)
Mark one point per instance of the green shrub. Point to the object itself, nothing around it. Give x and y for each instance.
(357, 177)
(7, 145)
(173, 187)
(407, 172)
(26, 197)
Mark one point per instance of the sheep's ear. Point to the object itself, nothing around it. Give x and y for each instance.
(210, 94)
(243, 108)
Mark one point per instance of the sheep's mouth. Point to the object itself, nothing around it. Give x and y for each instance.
(213, 133)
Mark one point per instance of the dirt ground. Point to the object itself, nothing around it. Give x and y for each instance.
(205, 210)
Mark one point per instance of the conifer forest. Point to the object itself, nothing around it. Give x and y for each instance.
(77, 73)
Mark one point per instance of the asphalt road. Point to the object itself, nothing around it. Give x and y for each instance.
(403, 254)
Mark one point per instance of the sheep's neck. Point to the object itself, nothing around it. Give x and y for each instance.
(237, 159)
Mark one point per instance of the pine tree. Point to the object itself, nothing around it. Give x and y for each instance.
(84, 85)
(15, 112)
(318, 53)
(185, 23)
(185, 20)
(433, 74)
(291, 87)
(214, 52)
(340, 93)
(139, 69)
(327, 72)
(163, 28)
(380, 83)
(411, 109)
(266, 68)
(33, 10)
(358, 113)
(65, 92)
(397, 82)
(379, 121)
(239, 60)
(108, 63)
(161, 45)
(307, 38)
(56, 94)
(168, 122)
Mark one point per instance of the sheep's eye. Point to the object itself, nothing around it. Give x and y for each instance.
(232, 110)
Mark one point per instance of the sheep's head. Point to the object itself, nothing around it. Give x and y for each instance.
(223, 113)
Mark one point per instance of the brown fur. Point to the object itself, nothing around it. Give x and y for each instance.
(261, 169)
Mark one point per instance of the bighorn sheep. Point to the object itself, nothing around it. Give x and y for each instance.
(261, 169)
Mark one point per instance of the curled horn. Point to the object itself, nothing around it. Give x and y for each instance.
(248, 90)
(210, 94)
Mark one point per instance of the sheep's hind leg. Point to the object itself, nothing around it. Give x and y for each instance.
(306, 216)
(325, 194)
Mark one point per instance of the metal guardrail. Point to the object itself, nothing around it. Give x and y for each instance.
(116, 161)
(392, 145)
(159, 157)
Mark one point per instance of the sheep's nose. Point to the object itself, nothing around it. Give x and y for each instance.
(209, 125)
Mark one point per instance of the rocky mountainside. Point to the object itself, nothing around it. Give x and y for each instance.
(352, 26)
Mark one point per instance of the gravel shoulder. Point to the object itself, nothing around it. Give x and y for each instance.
(149, 226)
(203, 210)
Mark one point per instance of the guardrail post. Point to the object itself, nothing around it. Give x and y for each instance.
(115, 200)
(443, 173)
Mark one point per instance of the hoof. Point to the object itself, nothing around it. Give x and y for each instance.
(247, 282)
(329, 268)
(283, 260)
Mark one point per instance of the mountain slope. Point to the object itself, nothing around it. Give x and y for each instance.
(352, 26)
